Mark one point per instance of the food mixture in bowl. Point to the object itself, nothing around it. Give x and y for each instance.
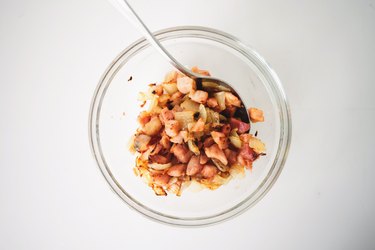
(193, 132)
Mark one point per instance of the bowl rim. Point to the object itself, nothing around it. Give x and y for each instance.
(277, 89)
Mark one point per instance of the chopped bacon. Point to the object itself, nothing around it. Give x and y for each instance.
(161, 179)
(159, 159)
(177, 170)
(246, 156)
(215, 152)
(145, 155)
(226, 129)
(198, 126)
(186, 85)
(245, 138)
(256, 115)
(172, 128)
(248, 153)
(180, 138)
(208, 142)
(209, 171)
(220, 139)
(163, 99)
(230, 111)
(193, 132)
(141, 142)
(144, 117)
(182, 153)
(242, 127)
(157, 149)
(176, 98)
(212, 102)
(203, 159)
(165, 142)
(231, 156)
(194, 166)
(166, 115)
(195, 69)
(232, 100)
(199, 96)
(152, 127)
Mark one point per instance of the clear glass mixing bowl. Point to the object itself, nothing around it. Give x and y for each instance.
(113, 120)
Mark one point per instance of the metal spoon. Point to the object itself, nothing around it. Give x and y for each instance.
(203, 82)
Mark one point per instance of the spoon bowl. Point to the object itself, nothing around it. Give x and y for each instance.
(125, 8)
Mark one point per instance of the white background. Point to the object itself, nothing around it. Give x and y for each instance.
(52, 194)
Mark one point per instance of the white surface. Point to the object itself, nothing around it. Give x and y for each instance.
(52, 54)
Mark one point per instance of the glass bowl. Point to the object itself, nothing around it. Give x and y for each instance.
(114, 111)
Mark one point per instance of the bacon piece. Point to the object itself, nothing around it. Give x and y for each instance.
(226, 129)
(166, 115)
(152, 127)
(144, 117)
(242, 127)
(220, 139)
(231, 156)
(141, 142)
(198, 126)
(245, 138)
(176, 98)
(164, 141)
(199, 96)
(209, 171)
(203, 159)
(248, 153)
(182, 153)
(215, 152)
(177, 170)
(256, 115)
(194, 166)
(180, 138)
(212, 102)
(172, 128)
(159, 159)
(161, 179)
(232, 100)
(246, 156)
(208, 142)
(195, 69)
(186, 85)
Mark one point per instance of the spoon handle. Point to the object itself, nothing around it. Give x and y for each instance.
(124, 8)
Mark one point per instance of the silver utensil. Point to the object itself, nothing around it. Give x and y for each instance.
(203, 82)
